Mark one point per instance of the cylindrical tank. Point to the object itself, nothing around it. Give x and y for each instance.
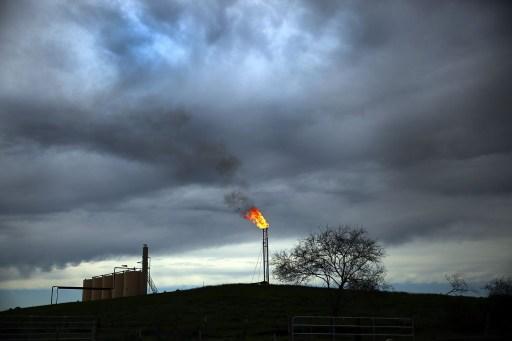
(106, 283)
(118, 285)
(132, 283)
(86, 294)
(97, 282)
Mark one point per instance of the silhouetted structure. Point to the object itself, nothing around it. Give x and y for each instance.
(122, 283)
(266, 268)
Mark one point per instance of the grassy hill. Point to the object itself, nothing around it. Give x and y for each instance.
(253, 312)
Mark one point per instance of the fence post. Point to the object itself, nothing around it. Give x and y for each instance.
(334, 328)
(373, 328)
(57, 325)
(290, 327)
(413, 333)
(94, 330)
(358, 324)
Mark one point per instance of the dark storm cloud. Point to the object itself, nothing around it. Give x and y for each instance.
(149, 135)
(164, 140)
(117, 118)
(172, 221)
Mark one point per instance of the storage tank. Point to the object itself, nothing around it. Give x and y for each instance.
(118, 285)
(97, 282)
(86, 294)
(132, 283)
(106, 283)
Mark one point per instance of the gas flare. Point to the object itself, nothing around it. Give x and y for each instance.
(254, 215)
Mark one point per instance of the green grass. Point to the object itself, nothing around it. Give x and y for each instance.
(251, 311)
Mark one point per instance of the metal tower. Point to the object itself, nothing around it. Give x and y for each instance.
(266, 268)
(144, 278)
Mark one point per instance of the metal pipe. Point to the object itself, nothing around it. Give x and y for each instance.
(266, 268)
(268, 264)
(120, 267)
(118, 281)
(144, 280)
(51, 297)
(263, 250)
(74, 288)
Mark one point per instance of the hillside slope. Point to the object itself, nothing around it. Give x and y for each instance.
(254, 311)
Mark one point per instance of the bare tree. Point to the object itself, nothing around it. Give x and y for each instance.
(345, 258)
(500, 287)
(458, 284)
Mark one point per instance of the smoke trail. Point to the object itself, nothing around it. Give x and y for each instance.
(238, 201)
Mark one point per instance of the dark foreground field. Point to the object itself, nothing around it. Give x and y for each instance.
(259, 312)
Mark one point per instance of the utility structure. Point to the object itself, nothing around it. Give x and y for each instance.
(255, 216)
(266, 268)
(122, 282)
(144, 277)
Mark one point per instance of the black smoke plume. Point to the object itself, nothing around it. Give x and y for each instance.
(238, 201)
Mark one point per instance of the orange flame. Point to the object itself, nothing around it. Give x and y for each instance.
(254, 215)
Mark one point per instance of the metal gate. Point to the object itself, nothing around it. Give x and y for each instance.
(351, 328)
(15, 327)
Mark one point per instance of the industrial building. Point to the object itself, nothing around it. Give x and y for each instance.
(122, 282)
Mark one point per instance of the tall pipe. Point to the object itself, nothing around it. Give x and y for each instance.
(266, 268)
(144, 277)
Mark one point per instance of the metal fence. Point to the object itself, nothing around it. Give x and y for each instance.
(351, 328)
(14, 327)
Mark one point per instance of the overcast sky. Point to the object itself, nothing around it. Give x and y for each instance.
(127, 122)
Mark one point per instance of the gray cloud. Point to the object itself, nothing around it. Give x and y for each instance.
(132, 122)
(163, 141)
